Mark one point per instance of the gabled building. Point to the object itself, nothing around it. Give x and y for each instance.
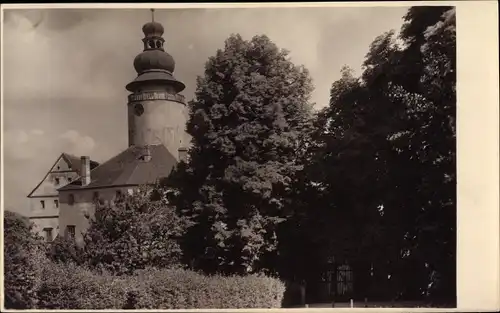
(44, 198)
(156, 133)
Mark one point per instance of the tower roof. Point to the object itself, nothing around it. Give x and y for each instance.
(154, 59)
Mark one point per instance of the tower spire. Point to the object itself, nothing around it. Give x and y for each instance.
(152, 15)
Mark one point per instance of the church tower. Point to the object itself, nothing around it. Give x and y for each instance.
(156, 110)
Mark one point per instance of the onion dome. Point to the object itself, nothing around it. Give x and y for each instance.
(154, 60)
(154, 64)
(152, 29)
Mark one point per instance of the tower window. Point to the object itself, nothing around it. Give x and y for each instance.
(158, 44)
(57, 180)
(42, 203)
(71, 199)
(56, 203)
(151, 44)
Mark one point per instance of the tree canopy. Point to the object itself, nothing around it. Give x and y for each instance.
(137, 231)
(385, 160)
(246, 124)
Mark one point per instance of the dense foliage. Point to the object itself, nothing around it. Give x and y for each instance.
(67, 286)
(369, 181)
(137, 231)
(64, 250)
(384, 164)
(269, 187)
(23, 254)
(246, 121)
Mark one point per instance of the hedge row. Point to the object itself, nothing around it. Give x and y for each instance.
(72, 287)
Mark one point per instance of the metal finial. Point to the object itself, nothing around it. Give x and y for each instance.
(153, 15)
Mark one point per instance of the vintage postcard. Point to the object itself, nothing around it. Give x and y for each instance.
(250, 156)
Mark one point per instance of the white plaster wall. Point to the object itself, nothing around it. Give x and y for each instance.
(41, 223)
(37, 210)
(163, 122)
(84, 204)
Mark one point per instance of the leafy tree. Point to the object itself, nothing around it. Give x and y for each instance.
(385, 159)
(23, 256)
(246, 123)
(135, 232)
(430, 141)
(64, 250)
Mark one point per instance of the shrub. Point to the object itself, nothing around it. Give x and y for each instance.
(68, 286)
(181, 289)
(134, 233)
(64, 250)
(23, 257)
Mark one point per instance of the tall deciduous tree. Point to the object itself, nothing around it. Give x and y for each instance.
(386, 161)
(247, 125)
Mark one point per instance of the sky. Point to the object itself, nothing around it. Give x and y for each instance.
(65, 70)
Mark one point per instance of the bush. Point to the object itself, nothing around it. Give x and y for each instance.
(64, 250)
(23, 257)
(68, 286)
(182, 289)
(133, 233)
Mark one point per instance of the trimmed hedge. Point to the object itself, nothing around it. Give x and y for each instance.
(73, 287)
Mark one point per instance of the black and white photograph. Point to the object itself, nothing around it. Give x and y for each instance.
(242, 157)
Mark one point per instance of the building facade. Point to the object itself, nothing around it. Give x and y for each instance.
(156, 132)
(44, 199)
(156, 141)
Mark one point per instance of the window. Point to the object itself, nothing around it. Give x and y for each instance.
(69, 179)
(71, 199)
(70, 230)
(42, 202)
(48, 234)
(56, 204)
(95, 197)
(118, 194)
(57, 180)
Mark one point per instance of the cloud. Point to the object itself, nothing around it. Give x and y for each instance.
(29, 155)
(33, 145)
(78, 144)
(89, 53)
(65, 71)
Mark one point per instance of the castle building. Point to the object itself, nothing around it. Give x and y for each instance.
(156, 139)
(44, 198)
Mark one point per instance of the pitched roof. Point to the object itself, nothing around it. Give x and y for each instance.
(128, 169)
(73, 163)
